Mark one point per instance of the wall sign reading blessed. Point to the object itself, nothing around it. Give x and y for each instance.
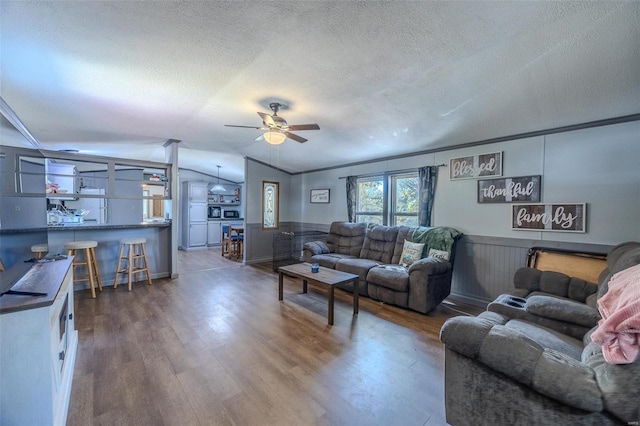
(509, 190)
(549, 217)
(473, 166)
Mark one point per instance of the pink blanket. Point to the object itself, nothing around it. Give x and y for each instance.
(618, 331)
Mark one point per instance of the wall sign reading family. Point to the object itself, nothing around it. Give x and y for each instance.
(474, 166)
(509, 190)
(549, 217)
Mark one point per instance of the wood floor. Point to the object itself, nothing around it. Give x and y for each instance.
(216, 347)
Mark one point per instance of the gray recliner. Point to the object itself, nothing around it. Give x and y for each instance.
(502, 369)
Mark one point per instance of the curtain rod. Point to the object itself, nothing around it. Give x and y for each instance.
(390, 172)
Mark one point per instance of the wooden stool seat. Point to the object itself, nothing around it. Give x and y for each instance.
(134, 261)
(74, 248)
(39, 250)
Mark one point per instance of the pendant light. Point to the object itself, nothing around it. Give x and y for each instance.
(217, 187)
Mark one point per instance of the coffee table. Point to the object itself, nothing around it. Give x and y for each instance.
(325, 276)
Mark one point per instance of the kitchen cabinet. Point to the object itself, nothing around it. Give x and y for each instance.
(196, 192)
(194, 215)
(213, 233)
(197, 234)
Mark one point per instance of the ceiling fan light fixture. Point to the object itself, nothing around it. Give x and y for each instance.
(274, 138)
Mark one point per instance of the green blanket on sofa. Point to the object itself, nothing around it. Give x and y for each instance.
(439, 238)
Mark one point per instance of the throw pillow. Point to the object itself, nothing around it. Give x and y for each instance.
(439, 254)
(411, 252)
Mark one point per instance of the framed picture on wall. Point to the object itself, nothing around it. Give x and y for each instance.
(509, 190)
(270, 205)
(557, 217)
(476, 166)
(319, 196)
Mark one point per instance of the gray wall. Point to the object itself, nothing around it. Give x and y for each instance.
(258, 242)
(597, 166)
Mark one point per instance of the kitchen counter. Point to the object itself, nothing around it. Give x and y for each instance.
(87, 226)
(41, 277)
(239, 219)
(16, 244)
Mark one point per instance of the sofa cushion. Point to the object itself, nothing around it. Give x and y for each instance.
(555, 283)
(356, 266)
(394, 277)
(346, 238)
(404, 233)
(329, 260)
(568, 380)
(411, 252)
(527, 279)
(379, 243)
(618, 383)
(580, 290)
(563, 310)
(548, 338)
(549, 371)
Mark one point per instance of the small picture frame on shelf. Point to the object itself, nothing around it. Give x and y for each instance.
(221, 198)
(321, 196)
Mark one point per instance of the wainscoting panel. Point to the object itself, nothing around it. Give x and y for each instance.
(484, 266)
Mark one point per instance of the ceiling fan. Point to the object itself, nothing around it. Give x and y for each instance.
(277, 129)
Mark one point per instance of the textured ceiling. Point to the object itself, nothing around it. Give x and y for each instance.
(119, 78)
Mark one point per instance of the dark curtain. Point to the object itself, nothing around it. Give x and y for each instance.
(352, 187)
(427, 179)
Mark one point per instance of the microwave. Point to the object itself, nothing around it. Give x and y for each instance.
(214, 212)
(231, 214)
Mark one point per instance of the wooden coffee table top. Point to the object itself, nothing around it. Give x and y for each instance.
(324, 275)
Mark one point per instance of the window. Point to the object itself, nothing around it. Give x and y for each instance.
(388, 199)
(404, 200)
(370, 200)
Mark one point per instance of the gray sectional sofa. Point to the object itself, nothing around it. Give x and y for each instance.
(530, 358)
(373, 252)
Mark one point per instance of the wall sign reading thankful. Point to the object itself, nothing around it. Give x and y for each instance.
(509, 190)
(559, 217)
(473, 166)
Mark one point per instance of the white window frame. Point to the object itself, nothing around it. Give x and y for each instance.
(388, 212)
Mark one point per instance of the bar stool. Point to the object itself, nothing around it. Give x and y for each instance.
(39, 250)
(135, 258)
(93, 274)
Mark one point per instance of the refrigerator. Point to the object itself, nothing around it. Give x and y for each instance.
(96, 206)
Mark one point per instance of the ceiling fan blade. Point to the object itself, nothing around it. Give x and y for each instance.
(304, 127)
(295, 137)
(259, 139)
(267, 119)
(246, 127)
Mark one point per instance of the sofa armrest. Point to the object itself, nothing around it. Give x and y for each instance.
(510, 352)
(430, 266)
(313, 248)
(429, 283)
